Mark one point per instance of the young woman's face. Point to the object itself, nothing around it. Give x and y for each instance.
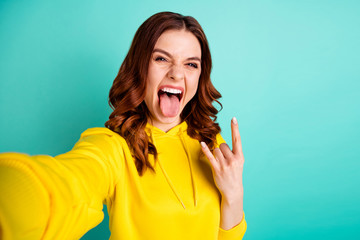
(173, 77)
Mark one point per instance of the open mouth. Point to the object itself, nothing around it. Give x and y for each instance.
(171, 92)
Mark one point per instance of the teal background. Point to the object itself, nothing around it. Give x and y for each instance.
(288, 70)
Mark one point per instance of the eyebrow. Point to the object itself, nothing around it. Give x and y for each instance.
(169, 55)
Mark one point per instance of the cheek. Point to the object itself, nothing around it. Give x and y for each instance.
(149, 93)
(155, 75)
(193, 86)
(150, 84)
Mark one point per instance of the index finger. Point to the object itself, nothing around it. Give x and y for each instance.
(235, 134)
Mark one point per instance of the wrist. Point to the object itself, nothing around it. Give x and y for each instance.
(233, 198)
(231, 202)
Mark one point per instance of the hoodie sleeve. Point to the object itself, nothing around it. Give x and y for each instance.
(238, 231)
(235, 233)
(60, 197)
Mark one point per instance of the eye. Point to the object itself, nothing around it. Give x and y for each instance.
(194, 65)
(161, 59)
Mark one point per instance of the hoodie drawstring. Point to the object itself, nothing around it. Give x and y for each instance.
(181, 134)
(186, 147)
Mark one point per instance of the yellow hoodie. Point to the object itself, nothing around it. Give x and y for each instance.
(62, 197)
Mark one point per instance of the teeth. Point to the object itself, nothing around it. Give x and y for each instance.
(171, 90)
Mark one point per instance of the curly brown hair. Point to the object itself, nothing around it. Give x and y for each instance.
(126, 98)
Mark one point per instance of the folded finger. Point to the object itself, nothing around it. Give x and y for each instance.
(226, 151)
(219, 157)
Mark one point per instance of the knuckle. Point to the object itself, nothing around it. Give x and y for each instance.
(232, 163)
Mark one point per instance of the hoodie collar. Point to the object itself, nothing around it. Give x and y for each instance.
(156, 132)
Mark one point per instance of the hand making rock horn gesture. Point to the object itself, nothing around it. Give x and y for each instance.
(227, 166)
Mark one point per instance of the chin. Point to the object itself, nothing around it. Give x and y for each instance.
(169, 120)
(160, 119)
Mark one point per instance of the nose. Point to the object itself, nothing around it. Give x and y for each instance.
(176, 72)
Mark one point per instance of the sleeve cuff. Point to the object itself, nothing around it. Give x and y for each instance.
(236, 232)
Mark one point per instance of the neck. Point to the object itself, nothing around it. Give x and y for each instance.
(164, 126)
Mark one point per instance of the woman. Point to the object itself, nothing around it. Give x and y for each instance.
(153, 165)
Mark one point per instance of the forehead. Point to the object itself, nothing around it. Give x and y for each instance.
(179, 43)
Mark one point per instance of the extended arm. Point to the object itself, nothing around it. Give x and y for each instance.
(60, 197)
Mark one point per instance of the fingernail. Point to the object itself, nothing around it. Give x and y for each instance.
(203, 144)
(234, 121)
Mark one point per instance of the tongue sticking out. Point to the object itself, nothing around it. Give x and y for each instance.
(169, 105)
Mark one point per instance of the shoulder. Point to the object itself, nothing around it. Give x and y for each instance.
(98, 131)
(98, 143)
(102, 136)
